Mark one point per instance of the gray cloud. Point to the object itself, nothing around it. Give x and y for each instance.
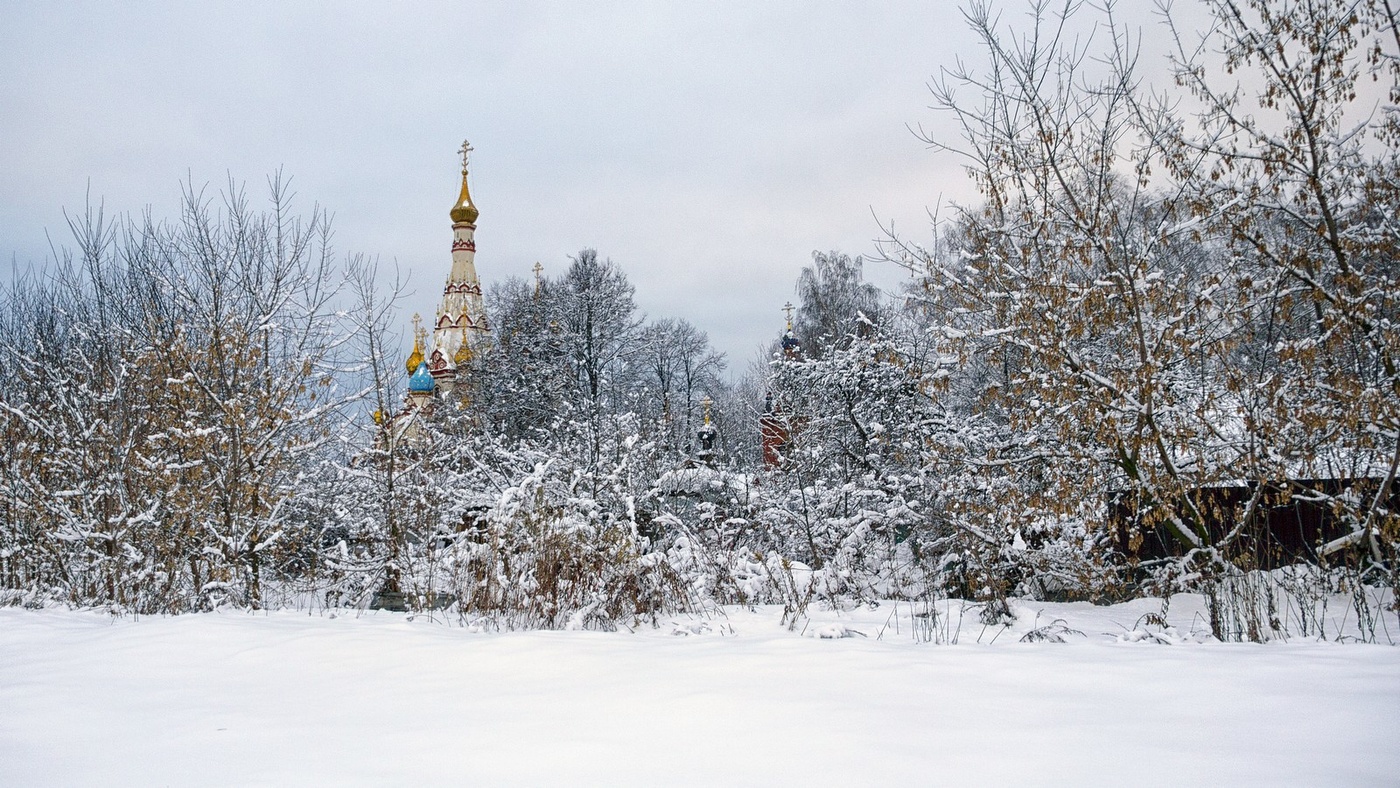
(707, 148)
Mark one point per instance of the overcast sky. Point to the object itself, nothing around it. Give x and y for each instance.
(707, 148)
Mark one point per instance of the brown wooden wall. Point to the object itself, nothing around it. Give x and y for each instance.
(1293, 520)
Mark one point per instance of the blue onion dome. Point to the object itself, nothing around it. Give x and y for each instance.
(421, 381)
(790, 342)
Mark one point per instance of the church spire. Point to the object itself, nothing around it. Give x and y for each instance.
(460, 325)
(792, 348)
(465, 212)
(416, 357)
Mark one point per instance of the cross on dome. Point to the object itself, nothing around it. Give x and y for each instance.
(464, 212)
(416, 357)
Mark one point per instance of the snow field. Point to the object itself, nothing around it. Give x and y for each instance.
(286, 698)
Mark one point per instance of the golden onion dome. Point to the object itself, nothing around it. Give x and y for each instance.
(463, 354)
(415, 358)
(464, 210)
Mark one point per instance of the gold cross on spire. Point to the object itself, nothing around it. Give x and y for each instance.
(706, 403)
(787, 309)
(420, 334)
(537, 269)
(416, 357)
(466, 151)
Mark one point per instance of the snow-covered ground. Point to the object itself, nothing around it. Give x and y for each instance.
(286, 698)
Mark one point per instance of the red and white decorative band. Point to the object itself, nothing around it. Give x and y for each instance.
(464, 321)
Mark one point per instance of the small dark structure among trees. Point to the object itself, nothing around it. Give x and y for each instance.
(1281, 524)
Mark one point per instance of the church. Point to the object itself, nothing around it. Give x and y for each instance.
(460, 327)
(460, 331)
